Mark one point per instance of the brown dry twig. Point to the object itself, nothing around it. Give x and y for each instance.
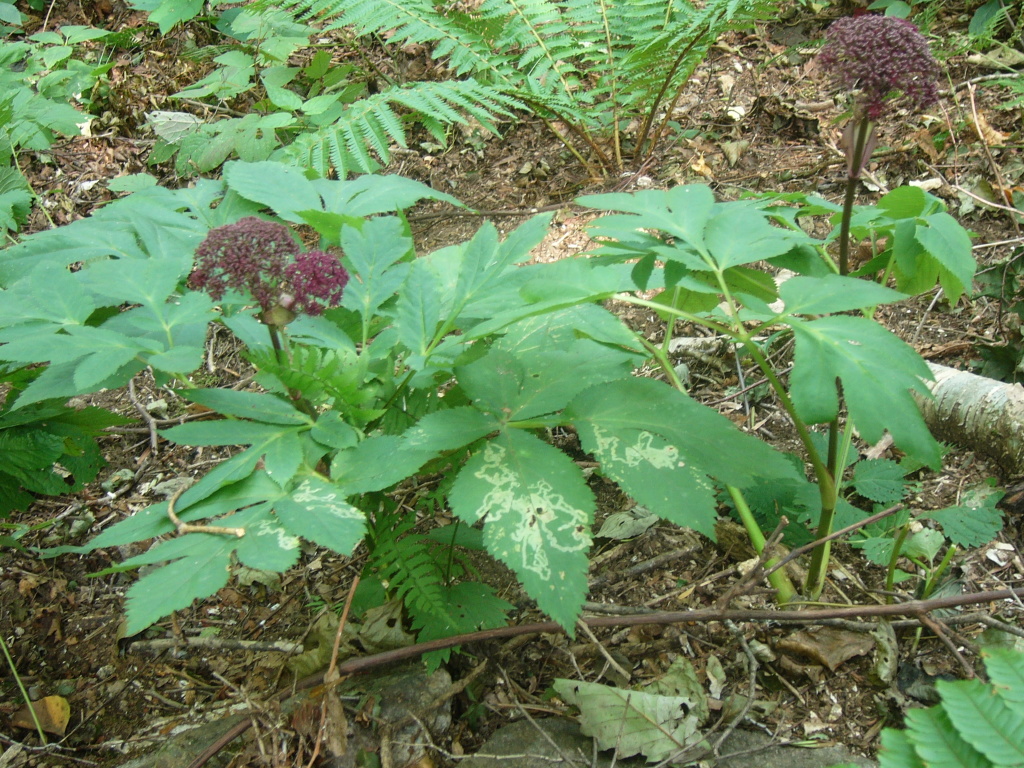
(183, 527)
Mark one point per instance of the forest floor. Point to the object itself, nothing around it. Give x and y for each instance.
(758, 116)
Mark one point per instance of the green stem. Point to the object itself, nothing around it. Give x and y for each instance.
(784, 589)
(862, 132)
(890, 574)
(936, 575)
(282, 358)
(24, 693)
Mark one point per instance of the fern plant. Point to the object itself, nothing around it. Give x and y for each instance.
(604, 76)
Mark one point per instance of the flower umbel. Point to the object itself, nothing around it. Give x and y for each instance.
(881, 56)
(316, 278)
(249, 255)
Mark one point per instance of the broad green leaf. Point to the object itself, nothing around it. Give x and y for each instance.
(682, 212)
(880, 480)
(248, 405)
(740, 233)
(226, 432)
(331, 430)
(138, 281)
(975, 521)
(449, 429)
(937, 742)
(371, 194)
(266, 546)
(376, 463)
(833, 293)
(898, 751)
(493, 382)
(68, 302)
(632, 722)
(203, 568)
(280, 187)
(283, 456)
(371, 255)
(418, 310)
(317, 511)
(877, 371)
(1006, 672)
(167, 14)
(178, 360)
(988, 723)
(662, 446)
(949, 244)
(538, 513)
(108, 351)
(152, 521)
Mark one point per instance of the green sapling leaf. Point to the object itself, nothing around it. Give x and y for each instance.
(879, 480)
(538, 512)
(975, 521)
(317, 511)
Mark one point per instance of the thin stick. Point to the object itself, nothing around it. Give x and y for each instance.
(184, 528)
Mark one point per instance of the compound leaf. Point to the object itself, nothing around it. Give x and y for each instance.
(538, 513)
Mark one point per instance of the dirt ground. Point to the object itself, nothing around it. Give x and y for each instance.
(757, 117)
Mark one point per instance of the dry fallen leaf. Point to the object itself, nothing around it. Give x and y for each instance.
(53, 713)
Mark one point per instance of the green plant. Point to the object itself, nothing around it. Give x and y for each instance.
(1003, 357)
(975, 723)
(588, 70)
(39, 80)
(48, 447)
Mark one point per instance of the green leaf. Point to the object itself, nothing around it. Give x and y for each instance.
(1006, 672)
(975, 521)
(168, 13)
(833, 293)
(898, 751)
(949, 244)
(987, 722)
(248, 405)
(538, 513)
(376, 463)
(331, 430)
(203, 568)
(226, 432)
(632, 722)
(449, 429)
(937, 742)
(317, 511)
(662, 446)
(880, 480)
(280, 187)
(371, 255)
(418, 310)
(877, 371)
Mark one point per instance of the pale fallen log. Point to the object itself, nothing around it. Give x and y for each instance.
(975, 412)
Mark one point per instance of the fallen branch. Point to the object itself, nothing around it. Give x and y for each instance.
(913, 608)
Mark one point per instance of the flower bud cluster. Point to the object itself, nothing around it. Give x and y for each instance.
(880, 56)
(263, 259)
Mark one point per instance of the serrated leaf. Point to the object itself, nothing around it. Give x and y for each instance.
(371, 255)
(282, 188)
(376, 463)
(877, 371)
(898, 751)
(937, 742)
(226, 432)
(172, 127)
(880, 480)
(949, 244)
(662, 446)
(317, 511)
(258, 406)
(833, 293)
(538, 513)
(203, 568)
(418, 310)
(1006, 671)
(449, 429)
(632, 722)
(974, 522)
(984, 720)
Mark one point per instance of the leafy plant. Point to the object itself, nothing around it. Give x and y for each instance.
(588, 70)
(48, 447)
(975, 723)
(1003, 358)
(39, 80)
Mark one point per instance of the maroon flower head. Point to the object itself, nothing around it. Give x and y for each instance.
(316, 279)
(249, 255)
(880, 56)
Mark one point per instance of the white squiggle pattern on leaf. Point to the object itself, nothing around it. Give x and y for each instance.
(528, 522)
(643, 451)
(319, 499)
(284, 539)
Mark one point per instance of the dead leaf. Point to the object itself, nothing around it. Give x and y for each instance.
(986, 132)
(53, 713)
(826, 645)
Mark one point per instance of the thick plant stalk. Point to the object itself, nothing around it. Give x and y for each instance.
(979, 413)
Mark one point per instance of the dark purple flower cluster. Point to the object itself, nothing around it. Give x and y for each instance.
(879, 56)
(316, 279)
(262, 258)
(249, 255)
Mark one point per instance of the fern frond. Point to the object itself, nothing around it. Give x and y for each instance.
(404, 562)
(371, 124)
